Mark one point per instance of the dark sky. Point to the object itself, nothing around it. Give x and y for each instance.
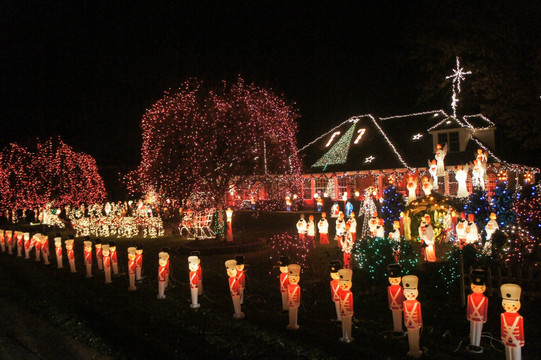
(88, 70)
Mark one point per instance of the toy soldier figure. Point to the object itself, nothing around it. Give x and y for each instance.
(373, 223)
(99, 255)
(2, 241)
(20, 236)
(168, 270)
(199, 273)
(311, 231)
(162, 273)
(36, 244)
(138, 261)
(231, 267)
(131, 268)
(323, 227)
(58, 251)
(334, 266)
(293, 295)
(461, 230)
(284, 280)
(512, 322)
(301, 228)
(70, 254)
(340, 228)
(9, 241)
(26, 245)
(412, 314)
(395, 297)
(193, 265)
(114, 257)
(241, 276)
(44, 241)
(106, 263)
(346, 303)
(472, 234)
(352, 226)
(88, 258)
(477, 310)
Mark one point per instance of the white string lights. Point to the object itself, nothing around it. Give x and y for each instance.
(458, 75)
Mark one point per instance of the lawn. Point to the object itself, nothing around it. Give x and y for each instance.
(135, 325)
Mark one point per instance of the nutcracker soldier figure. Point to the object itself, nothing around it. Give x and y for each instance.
(58, 251)
(340, 228)
(241, 276)
(193, 265)
(106, 263)
(323, 227)
(301, 228)
(477, 310)
(162, 273)
(395, 297)
(412, 314)
(20, 238)
(167, 268)
(512, 322)
(311, 231)
(131, 268)
(114, 257)
(2, 241)
(138, 262)
(231, 267)
(88, 258)
(283, 263)
(27, 245)
(199, 273)
(334, 266)
(346, 303)
(293, 295)
(70, 254)
(44, 242)
(99, 255)
(352, 226)
(9, 241)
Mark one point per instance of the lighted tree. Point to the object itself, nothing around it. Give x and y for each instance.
(211, 140)
(502, 204)
(393, 204)
(49, 171)
(479, 206)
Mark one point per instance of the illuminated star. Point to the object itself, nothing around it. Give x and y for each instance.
(369, 159)
(417, 136)
(458, 74)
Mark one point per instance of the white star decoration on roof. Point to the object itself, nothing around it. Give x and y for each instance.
(369, 159)
(458, 75)
(417, 137)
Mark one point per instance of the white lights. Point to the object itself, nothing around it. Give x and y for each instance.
(369, 159)
(417, 136)
(336, 133)
(361, 133)
(458, 75)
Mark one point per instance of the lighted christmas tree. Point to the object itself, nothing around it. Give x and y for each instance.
(338, 153)
(502, 204)
(479, 206)
(393, 204)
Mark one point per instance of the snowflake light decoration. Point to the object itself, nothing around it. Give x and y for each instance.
(369, 159)
(458, 75)
(417, 137)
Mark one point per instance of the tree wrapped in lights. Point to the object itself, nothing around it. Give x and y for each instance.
(479, 206)
(528, 209)
(49, 172)
(198, 139)
(393, 204)
(502, 204)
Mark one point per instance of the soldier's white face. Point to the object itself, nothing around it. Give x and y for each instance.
(240, 267)
(294, 279)
(478, 289)
(345, 284)
(411, 294)
(88, 248)
(131, 257)
(231, 272)
(192, 266)
(511, 306)
(283, 269)
(162, 262)
(395, 280)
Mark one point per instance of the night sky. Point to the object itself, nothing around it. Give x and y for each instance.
(88, 70)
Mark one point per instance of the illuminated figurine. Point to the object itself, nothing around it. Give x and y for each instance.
(348, 208)
(162, 273)
(70, 254)
(323, 227)
(427, 235)
(58, 251)
(347, 247)
(131, 268)
(373, 223)
(138, 261)
(106, 263)
(427, 186)
(395, 297)
(114, 257)
(335, 210)
(9, 241)
(301, 228)
(481, 156)
(411, 185)
(477, 309)
(293, 295)
(167, 267)
(37, 246)
(27, 245)
(379, 231)
(44, 242)
(478, 174)
(461, 230)
(2, 241)
(461, 174)
(199, 273)
(88, 258)
(20, 239)
(512, 323)
(433, 170)
(412, 314)
(340, 228)
(472, 235)
(394, 236)
(352, 226)
(440, 157)
(334, 266)
(99, 255)
(193, 265)
(346, 303)
(284, 280)
(490, 228)
(231, 267)
(311, 231)
(241, 276)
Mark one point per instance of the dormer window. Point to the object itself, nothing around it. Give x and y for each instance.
(452, 139)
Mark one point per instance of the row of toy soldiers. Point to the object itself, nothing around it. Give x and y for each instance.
(307, 229)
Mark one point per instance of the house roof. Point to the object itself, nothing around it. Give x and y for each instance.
(367, 142)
